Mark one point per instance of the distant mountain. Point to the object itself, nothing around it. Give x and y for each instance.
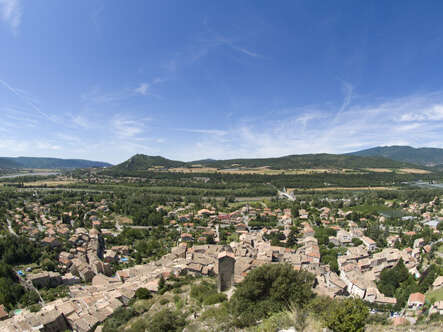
(418, 156)
(321, 160)
(8, 163)
(51, 163)
(203, 161)
(142, 162)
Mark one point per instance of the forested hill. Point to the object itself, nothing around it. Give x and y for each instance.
(143, 162)
(302, 161)
(8, 163)
(419, 156)
(48, 163)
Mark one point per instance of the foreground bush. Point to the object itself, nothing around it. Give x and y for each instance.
(143, 294)
(166, 321)
(349, 315)
(118, 319)
(268, 289)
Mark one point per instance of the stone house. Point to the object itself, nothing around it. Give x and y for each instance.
(416, 300)
(344, 237)
(438, 307)
(438, 282)
(369, 243)
(45, 279)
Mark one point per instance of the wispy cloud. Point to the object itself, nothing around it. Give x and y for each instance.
(415, 120)
(36, 147)
(80, 121)
(209, 40)
(22, 95)
(11, 13)
(146, 88)
(212, 42)
(434, 113)
(142, 89)
(216, 132)
(220, 40)
(348, 89)
(96, 95)
(126, 127)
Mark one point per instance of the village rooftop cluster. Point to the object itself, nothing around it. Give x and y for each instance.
(102, 277)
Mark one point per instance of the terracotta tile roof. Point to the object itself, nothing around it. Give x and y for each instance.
(416, 298)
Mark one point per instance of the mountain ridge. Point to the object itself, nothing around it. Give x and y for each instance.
(424, 156)
(48, 163)
(395, 156)
(143, 162)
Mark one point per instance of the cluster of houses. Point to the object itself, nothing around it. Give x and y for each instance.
(94, 294)
(36, 218)
(89, 305)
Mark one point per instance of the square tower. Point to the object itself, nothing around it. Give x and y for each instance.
(226, 264)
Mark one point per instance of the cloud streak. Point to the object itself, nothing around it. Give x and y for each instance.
(125, 127)
(219, 40)
(216, 132)
(24, 97)
(415, 120)
(142, 89)
(11, 13)
(352, 125)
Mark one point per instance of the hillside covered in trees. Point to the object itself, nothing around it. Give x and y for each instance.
(408, 154)
(307, 161)
(45, 163)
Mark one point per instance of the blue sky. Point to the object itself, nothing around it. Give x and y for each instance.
(188, 80)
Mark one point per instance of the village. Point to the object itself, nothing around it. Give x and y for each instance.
(99, 277)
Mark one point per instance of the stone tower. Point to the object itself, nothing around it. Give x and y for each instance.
(226, 264)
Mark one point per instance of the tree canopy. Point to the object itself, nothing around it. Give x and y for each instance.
(347, 315)
(268, 289)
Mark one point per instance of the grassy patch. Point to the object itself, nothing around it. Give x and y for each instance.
(435, 295)
(141, 306)
(206, 293)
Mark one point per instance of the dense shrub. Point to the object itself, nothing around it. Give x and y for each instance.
(166, 321)
(349, 315)
(143, 294)
(35, 308)
(269, 289)
(215, 298)
(120, 317)
(30, 298)
(202, 291)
